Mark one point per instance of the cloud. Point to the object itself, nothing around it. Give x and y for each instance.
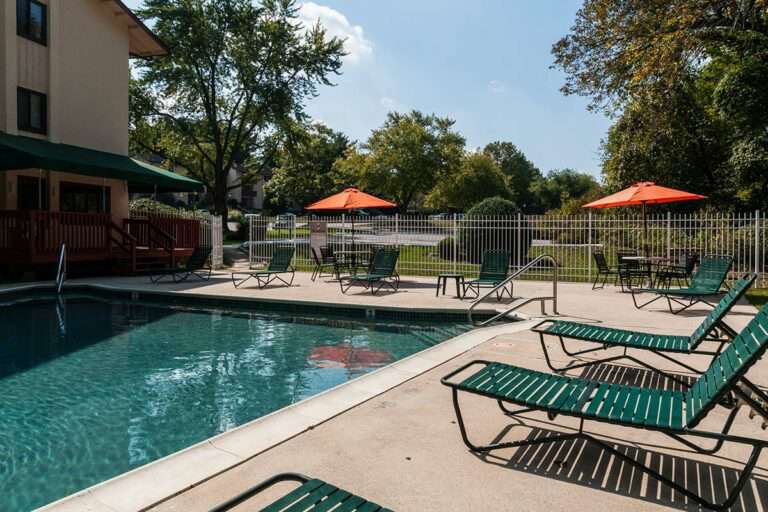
(497, 87)
(388, 103)
(357, 46)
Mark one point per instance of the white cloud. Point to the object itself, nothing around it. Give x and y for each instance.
(497, 87)
(388, 103)
(357, 46)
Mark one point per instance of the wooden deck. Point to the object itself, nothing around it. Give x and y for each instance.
(31, 238)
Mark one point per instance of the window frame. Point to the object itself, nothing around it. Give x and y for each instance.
(71, 189)
(24, 117)
(24, 21)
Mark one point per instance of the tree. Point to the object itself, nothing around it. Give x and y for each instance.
(520, 172)
(304, 167)
(616, 51)
(405, 158)
(560, 186)
(236, 74)
(478, 178)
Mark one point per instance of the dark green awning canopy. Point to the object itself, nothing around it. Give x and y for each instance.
(18, 152)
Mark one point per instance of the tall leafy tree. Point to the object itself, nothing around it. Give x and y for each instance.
(304, 167)
(685, 79)
(561, 186)
(237, 72)
(478, 178)
(519, 172)
(405, 158)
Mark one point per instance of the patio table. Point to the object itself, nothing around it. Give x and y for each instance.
(353, 255)
(442, 280)
(649, 262)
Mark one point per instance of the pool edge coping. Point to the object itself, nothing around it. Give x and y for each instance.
(123, 492)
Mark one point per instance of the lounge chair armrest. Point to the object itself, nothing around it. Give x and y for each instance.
(446, 380)
(537, 327)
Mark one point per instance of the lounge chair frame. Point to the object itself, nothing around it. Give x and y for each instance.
(717, 332)
(690, 296)
(725, 398)
(311, 494)
(494, 270)
(279, 266)
(380, 273)
(198, 265)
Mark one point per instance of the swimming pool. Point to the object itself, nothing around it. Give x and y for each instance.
(97, 386)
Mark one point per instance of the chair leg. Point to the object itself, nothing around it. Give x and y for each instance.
(732, 494)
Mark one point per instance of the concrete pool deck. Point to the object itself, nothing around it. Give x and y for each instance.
(391, 435)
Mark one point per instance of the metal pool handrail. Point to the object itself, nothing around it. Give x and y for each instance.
(61, 272)
(518, 305)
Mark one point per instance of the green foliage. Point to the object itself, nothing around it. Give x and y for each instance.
(147, 205)
(687, 80)
(565, 186)
(488, 226)
(446, 248)
(304, 170)
(478, 178)
(238, 73)
(493, 207)
(520, 173)
(404, 159)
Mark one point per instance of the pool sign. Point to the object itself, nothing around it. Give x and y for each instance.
(318, 234)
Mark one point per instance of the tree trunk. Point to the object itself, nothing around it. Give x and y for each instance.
(220, 199)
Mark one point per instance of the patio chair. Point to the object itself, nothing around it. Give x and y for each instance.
(494, 270)
(325, 259)
(680, 272)
(630, 270)
(713, 329)
(198, 264)
(279, 265)
(604, 271)
(676, 414)
(382, 271)
(708, 281)
(311, 495)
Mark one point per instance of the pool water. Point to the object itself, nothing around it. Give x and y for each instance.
(93, 388)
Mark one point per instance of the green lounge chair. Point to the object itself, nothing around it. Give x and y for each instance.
(382, 271)
(312, 495)
(279, 265)
(494, 270)
(708, 281)
(198, 264)
(711, 329)
(673, 413)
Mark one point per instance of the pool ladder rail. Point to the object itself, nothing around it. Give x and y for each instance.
(61, 272)
(519, 303)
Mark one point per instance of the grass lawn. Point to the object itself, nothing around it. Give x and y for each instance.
(758, 297)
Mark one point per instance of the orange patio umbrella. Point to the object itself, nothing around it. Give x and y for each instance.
(642, 194)
(349, 200)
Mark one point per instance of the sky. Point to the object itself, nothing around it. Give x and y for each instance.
(485, 64)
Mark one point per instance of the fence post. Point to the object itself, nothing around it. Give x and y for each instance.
(518, 243)
(589, 246)
(397, 229)
(251, 240)
(455, 242)
(343, 232)
(757, 242)
(669, 235)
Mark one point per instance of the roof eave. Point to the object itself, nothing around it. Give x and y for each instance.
(159, 49)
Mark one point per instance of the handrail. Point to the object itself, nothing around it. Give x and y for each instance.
(518, 305)
(61, 272)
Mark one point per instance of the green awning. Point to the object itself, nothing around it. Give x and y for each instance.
(18, 152)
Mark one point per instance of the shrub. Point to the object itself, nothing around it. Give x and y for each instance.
(491, 225)
(446, 248)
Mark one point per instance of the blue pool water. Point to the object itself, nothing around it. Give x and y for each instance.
(98, 387)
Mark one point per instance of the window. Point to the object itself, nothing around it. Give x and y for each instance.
(77, 197)
(33, 111)
(32, 193)
(32, 20)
